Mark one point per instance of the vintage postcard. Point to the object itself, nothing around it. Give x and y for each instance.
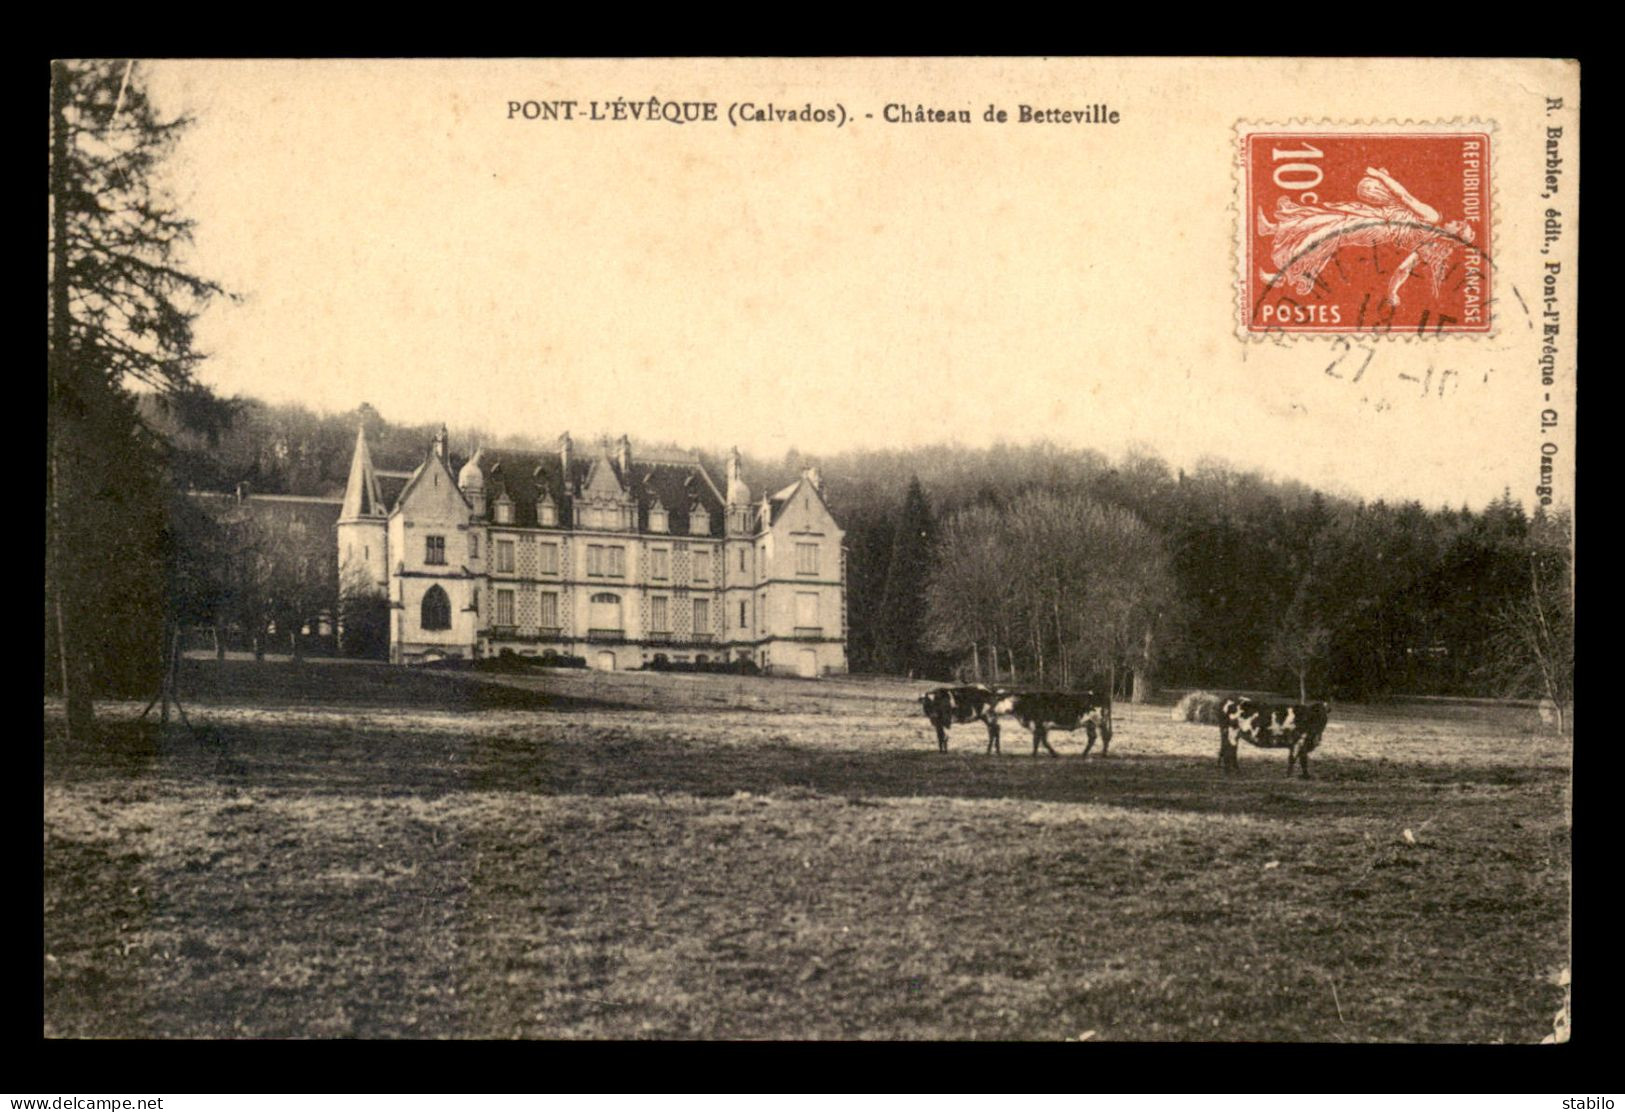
(794, 549)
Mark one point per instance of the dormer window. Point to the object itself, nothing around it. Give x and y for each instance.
(698, 520)
(546, 512)
(608, 517)
(504, 510)
(658, 521)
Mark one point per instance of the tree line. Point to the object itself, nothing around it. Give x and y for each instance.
(1067, 567)
(1215, 579)
(1028, 562)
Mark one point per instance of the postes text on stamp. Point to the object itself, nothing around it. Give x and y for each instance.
(1365, 230)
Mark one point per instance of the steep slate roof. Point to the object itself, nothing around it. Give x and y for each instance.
(526, 476)
(371, 491)
(677, 487)
(779, 500)
(361, 497)
(390, 485)
(280, 507)
(310, 524)
(430, 459)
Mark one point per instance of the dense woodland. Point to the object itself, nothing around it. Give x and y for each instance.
(1070, 568)
(1030, 564)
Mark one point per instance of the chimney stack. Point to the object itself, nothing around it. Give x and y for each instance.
(623, 454)
(816, 478)
(566, 455)
(440, 442)
(738, 492)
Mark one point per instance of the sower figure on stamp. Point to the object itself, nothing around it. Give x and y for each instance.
(1307, 236)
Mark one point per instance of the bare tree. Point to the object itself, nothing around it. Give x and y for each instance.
(968, 596)
(1533, 636)
(1130, 595)
(1086, 587)
(276, 572)
(1301, 641)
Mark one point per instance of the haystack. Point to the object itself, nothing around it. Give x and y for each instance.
(1200, 707)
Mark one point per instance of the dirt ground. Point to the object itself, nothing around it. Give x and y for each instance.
(374, 852)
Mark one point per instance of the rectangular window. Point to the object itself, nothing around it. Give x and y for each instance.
(604, 559)
(702, 615)
(806, 559)
(550, 610)
(434, 550)
(504, 512)
(504, 555)
(699, 522)
(657, 521)
(660, 615)
(608, 517)
(807, 610)
(742, 614)
(741, 559)
(504, 608)
(700, 562)
(550, 559)
(660, 563)
(546, 514)
(473, 546)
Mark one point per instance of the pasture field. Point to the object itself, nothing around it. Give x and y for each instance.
(356, 850)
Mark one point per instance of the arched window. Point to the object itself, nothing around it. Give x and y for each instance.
(436, 610)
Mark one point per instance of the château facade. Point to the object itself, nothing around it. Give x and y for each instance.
(613, 557)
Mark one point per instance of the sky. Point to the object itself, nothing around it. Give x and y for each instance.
(397, 236)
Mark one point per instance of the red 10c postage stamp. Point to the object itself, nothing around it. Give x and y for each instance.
(1365, 229)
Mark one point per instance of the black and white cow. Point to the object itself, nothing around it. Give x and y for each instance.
(1295, 727)
(945, 706)
(1043, 711)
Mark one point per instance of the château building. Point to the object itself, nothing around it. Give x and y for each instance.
(613, 557)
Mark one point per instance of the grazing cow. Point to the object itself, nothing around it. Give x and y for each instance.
(1042, 711)
(945, 706)
(1295, 727)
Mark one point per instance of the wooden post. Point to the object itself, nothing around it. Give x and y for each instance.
(167, 660)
